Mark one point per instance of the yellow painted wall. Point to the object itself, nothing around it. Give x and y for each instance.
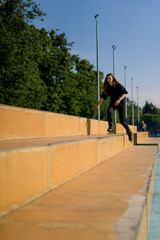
(21, 123)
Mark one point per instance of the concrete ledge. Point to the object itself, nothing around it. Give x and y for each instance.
(121, 129)
(18, 123)
(22, 123)
(145, 218)
(35, 167)
(140, 136)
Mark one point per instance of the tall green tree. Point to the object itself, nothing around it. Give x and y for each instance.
(56, 69)
(149, 108)
(20, 82)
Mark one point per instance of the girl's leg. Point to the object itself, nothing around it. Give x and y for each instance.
(121, 111)
(109, 114)
(109, 117)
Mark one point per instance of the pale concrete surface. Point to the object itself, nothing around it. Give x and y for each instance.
(104, 203)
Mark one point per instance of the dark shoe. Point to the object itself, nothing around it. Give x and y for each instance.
(130, 135)
(111, 127)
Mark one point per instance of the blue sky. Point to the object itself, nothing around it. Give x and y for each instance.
(132, 25)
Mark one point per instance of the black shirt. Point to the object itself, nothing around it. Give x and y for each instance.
(115, 92)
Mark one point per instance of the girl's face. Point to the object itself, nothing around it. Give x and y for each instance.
(110, 80)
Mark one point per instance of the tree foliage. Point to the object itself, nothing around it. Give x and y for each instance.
(20, 82)
(151, 116)
(150, 108)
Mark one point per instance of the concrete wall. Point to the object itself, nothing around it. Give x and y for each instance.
(21, 123)
(30, 171)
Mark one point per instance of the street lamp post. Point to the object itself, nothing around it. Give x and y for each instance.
(125, 67)
(97, 53)
(132, 101)
(138, 107)
(114, 47)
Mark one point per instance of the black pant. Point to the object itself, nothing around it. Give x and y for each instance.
(121, 111)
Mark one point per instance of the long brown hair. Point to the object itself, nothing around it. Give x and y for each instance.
(106, 84)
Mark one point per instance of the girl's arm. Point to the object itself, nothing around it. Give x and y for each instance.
(120, 99)
(98, 104)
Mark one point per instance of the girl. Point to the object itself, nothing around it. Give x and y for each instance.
(117, 92)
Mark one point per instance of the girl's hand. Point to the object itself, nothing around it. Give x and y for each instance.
(117, 102)
(98, 104)
(96, 108)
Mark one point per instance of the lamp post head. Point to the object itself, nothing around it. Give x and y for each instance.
(96, 16)
(114, 47)
(125, 67)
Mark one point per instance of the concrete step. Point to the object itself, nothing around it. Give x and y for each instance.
(46, 141)
(110, 201)
(31, 167)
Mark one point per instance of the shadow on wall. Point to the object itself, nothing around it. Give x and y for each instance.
(88, 126)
